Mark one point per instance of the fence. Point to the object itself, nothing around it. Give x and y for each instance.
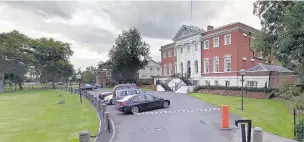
(101, 109)
(298, 125)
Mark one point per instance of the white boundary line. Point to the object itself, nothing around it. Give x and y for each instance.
(113, 131)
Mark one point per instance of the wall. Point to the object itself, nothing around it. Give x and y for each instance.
(146, 72)
(160, 88)
(256, 95)
(168, 60)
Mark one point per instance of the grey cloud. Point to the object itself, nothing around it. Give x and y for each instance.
(157, 19)
(63, 9)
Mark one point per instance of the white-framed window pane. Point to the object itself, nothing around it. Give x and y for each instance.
(165, 70)
(174, 52)
(206, 66)
(170, 69)
(216, 65)
(164, 54)
(206, 44)
(216, 42)
(228, 39)
(196, 67)
(227, 66)
(170, 53)
(175, 65)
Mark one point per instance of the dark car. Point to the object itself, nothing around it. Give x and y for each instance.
(141, 102)
(95, 85)
(87, 87)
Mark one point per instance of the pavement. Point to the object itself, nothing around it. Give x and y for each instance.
(186, 120)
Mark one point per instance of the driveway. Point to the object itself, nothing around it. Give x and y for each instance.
(186, 120)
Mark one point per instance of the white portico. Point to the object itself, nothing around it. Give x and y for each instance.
(188, 48)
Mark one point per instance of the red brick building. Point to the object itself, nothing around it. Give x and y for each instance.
(214, 56)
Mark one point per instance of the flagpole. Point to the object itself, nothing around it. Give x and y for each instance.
(191, 14)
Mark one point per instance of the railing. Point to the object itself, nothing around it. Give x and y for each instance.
(178, 85)
(165, 86)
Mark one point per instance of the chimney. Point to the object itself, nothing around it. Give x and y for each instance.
(209, 28)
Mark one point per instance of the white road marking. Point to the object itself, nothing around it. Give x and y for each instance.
(179, 111)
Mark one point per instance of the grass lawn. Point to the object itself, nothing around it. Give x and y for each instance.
(147, 89)
(35, 116)
(271, 115)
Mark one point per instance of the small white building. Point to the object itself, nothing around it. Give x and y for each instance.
(151, 69)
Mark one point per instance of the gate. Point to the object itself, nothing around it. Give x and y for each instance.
(298, 121)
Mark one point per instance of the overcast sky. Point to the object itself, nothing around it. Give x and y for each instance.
(92, 26)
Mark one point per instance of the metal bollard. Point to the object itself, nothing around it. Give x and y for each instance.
(92, 98)
(99, 104)
(257, 135)
(104, 109)
(84, 136)
(106, 121)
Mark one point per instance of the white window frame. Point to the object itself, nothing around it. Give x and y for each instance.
(227, 82)
(216, 45)
(214, 64)
(174, 52)
(206, 62)
(164, 54)
(165, 69)
(227, 58)
(260, 55)
(225, 37)
(252, 84)
(216, 83)
(196, 66)
(170, 69)
(170, 53)
(206, 44)
(151, 69)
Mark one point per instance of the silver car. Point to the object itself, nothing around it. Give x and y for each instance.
(126, 92)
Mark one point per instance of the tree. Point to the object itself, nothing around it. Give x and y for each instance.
(15, 56)
(52, 59)
(129, 54)
(282, 32)
(88, 75)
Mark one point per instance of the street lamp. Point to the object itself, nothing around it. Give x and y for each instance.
(242, 73)
(70, 79)
(78, 77)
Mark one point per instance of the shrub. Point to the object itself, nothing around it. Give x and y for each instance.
(287, 90)
(233, 88)
(299, 130)
(298, 102)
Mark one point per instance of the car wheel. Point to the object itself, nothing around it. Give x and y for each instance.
(166, 104)
(111, 102)
(134, 109)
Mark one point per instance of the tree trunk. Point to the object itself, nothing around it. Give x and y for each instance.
(53, 83)
(1, 82)
(20, 85)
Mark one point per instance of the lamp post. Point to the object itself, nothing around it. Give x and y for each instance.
(78, 77)
(70, 79)
(242, 73)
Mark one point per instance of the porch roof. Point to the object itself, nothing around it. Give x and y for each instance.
(274, 68)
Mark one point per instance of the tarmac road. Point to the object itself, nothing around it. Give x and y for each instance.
(186, 120)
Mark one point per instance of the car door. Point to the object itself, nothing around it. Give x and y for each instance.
(151, 103)
(142, 103)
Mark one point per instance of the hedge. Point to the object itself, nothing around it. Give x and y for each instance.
(234, 88)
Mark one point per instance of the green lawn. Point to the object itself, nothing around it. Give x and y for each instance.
(35, 116)
(271, 115)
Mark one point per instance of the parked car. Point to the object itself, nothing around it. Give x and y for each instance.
(121, 87)
(96, 85)
(104, 94)
(108, 99)
(87, 87)
(140, 102)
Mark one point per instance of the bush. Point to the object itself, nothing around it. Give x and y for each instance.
(287, 90)
(233, 88)
(299, 130)
(298, 102)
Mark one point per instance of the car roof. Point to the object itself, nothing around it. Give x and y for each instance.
(124, 85)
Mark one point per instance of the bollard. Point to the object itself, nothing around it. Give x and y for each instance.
(225, 117)
(257, 135)
(84, 136)
(104, 109)
(99, 104)
(95, 101)
(106, 121)
(92, 98)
